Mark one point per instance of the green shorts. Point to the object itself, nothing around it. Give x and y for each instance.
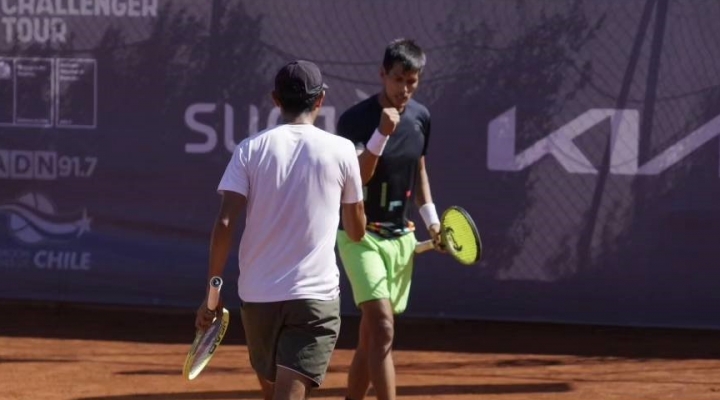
(296, 334)
(379, 268)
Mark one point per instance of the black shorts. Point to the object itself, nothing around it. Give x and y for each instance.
(296, 334)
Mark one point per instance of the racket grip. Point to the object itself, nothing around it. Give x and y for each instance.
(422, 247)
(214, 292)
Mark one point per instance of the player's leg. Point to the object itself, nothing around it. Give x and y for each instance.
(377, 323)
(267, 388)
(377, 316)
(365, 265)
(262, 323)
(399, 256)
(305, 346)
(291, 385)
(358, 379)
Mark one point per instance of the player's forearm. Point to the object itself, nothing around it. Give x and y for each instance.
(222, 234)
(369, 158)
(354, 220)
(423, 197)
(220, 243)
(368, 162)
(423, 194)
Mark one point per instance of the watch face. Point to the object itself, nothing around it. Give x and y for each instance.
(216, 281)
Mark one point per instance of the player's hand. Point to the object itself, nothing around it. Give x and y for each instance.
(204, 317)
(389, 120)
(434, 231)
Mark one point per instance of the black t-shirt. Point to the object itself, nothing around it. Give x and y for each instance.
(390, 191)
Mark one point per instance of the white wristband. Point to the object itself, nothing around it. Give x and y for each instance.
(429, 214)
(377, 143)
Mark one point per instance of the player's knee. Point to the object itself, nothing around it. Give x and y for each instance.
(291, 385)
(382, 333)
(267, 388)
(378, 324)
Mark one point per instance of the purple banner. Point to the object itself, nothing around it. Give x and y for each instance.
(580, 135)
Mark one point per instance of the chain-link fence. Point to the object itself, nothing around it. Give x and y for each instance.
(579, 134)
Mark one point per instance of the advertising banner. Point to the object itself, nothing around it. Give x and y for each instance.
(580, 135)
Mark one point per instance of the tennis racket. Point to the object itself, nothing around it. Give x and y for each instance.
(206, 342)
(459, 235)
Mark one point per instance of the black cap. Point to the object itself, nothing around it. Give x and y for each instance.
(300, 79)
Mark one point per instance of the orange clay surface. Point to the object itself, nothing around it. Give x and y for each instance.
(83, 353)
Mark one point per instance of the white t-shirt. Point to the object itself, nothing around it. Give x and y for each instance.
(295, 178)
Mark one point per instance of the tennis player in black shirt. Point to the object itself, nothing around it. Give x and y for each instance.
(391, 132)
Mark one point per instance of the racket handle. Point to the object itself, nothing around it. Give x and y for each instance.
(422, 247)
(214, 292)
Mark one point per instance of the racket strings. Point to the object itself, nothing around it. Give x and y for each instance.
(200, 357)
(206, 344)
(203, 348)
(461, 236)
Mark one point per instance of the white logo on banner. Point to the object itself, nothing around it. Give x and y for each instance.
(197, 111)
(44, 21)
(33, 219)
(44, 165)
(624, 143)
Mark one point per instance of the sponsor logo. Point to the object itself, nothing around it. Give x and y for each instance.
(201, 118)
(559, 144)
(34, 221)
(44, 165)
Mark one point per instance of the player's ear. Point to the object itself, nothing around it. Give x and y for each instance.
(383, 73)
(320, 99)
(275, 99)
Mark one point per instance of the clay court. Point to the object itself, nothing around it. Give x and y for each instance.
(92, 353)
